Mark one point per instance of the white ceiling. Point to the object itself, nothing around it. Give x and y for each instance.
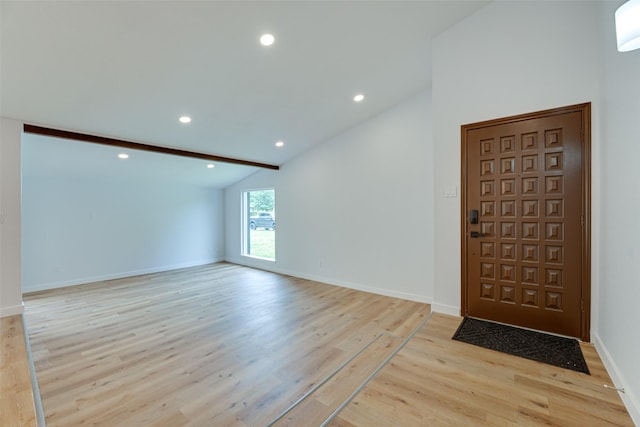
(45, 156)
(128, 69)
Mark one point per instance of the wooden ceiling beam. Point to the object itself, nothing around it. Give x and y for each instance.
(76, 136)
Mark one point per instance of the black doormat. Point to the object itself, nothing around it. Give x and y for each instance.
(549, 349)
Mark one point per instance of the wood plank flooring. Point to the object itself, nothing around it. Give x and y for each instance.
(16, 395)
(436, 381)
(225, 345)
(209, 346)
(319, 406)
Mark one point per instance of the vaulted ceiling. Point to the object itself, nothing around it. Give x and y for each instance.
(129, 69)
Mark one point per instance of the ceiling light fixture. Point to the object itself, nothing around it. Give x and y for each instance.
(280, 144)
(123, 156)
(267, 39)
(185, 119)
(628, 26)
(211, 166)
(358, 98)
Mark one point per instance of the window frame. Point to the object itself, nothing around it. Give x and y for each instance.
(245, 217)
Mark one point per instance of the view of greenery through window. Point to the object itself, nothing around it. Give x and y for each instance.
(260, 224)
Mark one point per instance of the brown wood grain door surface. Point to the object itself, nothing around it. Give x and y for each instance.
(526, 260)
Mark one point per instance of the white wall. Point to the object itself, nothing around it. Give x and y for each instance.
(10, 293)
(618, 315)
(89, 228)
(357, 210)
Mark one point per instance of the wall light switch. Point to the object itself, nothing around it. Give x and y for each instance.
(451, 191)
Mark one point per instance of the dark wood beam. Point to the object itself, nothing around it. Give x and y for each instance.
(76, 136)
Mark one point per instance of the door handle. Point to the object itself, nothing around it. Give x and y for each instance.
(476, 234)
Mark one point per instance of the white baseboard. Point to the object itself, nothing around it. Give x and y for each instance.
(271, 266)
(446, 309)
(629, 399)
(91, 279)
(13, 310)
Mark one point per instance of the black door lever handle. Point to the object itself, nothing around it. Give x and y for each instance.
(476, 234)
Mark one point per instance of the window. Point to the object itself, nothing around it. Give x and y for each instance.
(259, 224)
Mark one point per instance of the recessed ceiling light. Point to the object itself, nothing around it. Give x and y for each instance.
(267, 39)
(185, 119)
(280, 144)
(358, 98)
(123, 156)
(211, 166)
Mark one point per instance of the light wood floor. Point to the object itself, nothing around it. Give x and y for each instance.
(16, 395)
(436, 381)
(211, 346)
(225, 345)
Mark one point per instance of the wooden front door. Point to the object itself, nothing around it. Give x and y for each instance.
(525, 220)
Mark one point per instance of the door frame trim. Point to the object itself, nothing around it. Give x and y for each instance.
(585, 110)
